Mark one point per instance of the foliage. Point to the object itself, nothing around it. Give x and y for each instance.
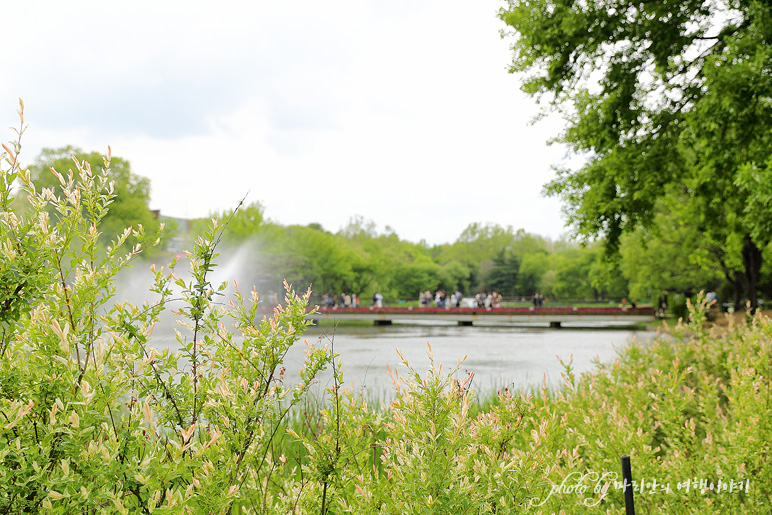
(607, 280)
(656, 95)
(439, 458)
(689, 409)
(656, 262)
(97, 420)
(247, 222)
(130, 204)
(475, 249)
(429, 451)
(25, 270)
(454, 276)
(572, 273)
(755, 181)
(412, 278)
(503, 275)
(359, 260)
(532, 270)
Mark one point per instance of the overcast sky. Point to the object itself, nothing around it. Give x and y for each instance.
(401, 111)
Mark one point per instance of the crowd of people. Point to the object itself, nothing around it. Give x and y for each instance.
(427, 299)
(440, 299)
(346, 300)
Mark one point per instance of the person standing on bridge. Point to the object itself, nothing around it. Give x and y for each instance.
(378, 300)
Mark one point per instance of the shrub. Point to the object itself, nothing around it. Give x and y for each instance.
(96, 420)
(688, 408)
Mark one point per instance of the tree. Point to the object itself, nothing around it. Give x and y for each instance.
(572, 273)
(532, 251)
(676, 255)
(656, 94)
(413, 278)
(129, 208)
(453, 276)
(503, 275)
(475, 248)
(532, 270)
(322, 260)
(244, 224)
(607, 279)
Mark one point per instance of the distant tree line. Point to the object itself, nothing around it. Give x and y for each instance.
(671, 254)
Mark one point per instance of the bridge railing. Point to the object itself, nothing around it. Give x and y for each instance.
(506, 302)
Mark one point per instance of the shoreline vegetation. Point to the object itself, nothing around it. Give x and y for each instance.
(359, 261)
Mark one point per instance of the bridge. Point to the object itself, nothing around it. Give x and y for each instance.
(555, 317)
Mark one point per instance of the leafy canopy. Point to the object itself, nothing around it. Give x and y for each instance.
(654, 92)
(661, 98)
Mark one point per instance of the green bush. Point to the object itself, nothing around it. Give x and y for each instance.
(678, 305)
(690, 408)
(94, 419)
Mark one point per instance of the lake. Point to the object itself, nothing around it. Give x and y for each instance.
(514, 357)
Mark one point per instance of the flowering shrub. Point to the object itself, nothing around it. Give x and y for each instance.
(94, 419)
(692, 411)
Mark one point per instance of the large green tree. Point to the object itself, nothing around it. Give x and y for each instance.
(129, 208)
(657, 94)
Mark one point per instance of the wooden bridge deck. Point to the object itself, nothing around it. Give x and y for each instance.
(469, 316)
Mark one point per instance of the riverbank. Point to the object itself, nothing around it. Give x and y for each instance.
(723, 320)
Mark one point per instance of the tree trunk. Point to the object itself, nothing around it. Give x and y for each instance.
(733, 277)
(752, 263)
(739, 287)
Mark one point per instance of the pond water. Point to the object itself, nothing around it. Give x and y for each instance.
(513, 357)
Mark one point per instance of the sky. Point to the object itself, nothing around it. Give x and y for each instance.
(401, 111)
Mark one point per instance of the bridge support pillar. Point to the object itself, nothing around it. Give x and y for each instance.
(465, 322)
(555, 325)
(382, 322)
